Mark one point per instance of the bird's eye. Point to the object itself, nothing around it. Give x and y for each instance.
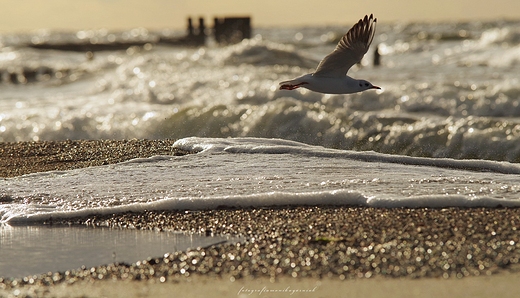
(360, 85)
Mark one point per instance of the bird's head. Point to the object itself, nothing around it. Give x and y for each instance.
(365, 85)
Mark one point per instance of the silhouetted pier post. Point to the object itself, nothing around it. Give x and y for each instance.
(190, 27)
(202, 27)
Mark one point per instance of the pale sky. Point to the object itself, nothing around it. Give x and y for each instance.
(28, 15)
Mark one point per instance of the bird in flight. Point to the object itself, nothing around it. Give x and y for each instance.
(331, 74)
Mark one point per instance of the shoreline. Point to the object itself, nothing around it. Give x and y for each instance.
(293, 244)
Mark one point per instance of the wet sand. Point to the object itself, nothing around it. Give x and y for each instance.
(28, 157)
(353, 250)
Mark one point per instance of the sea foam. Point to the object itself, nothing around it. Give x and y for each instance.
(256, 172)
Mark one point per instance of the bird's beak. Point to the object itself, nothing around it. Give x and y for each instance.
(376, 87)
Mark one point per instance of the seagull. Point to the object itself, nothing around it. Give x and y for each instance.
(331, 75)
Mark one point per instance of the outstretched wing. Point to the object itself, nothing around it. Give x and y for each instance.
(350, 49)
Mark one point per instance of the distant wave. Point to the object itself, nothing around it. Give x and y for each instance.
(261, 53)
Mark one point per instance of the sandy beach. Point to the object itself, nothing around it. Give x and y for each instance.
(299, 251)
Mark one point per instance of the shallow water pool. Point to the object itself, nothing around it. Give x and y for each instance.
(30, 250)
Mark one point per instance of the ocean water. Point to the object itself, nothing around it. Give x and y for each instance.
(450, 101)
(443, 132)
(449, 90)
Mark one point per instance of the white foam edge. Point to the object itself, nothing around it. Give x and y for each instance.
(280, 146)
(341, 197)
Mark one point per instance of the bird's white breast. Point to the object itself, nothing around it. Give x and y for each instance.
(332, 85)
